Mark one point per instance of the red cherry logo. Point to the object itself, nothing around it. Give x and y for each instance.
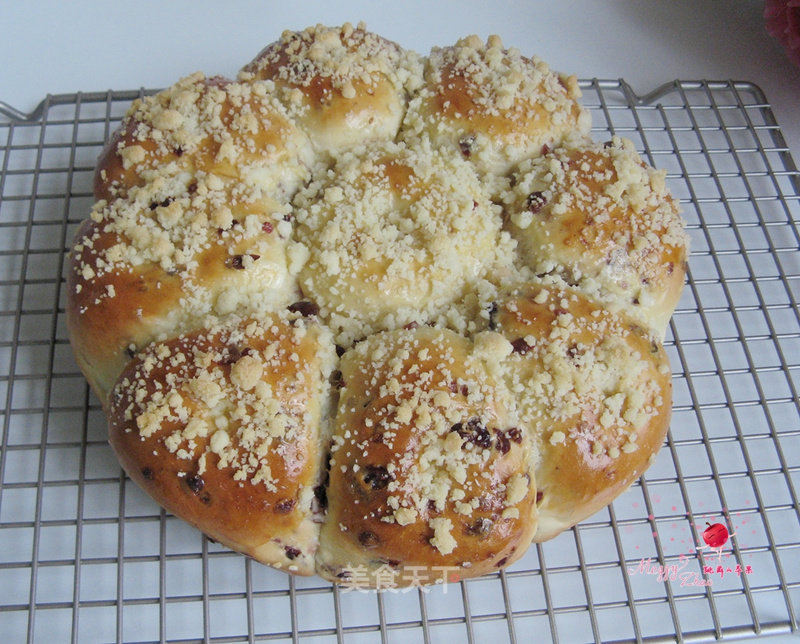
(715, 535)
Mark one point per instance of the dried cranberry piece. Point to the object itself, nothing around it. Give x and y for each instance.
(162, 204)
(285, 506)
(473, 432)
(195, 483)
(501, 442)
(455, 388)
(480, 527)
(377, 476)
(574, 352)
(536, 201)
(465, 145)
(520, 346)
(292, 553)
(237, 261)
(233, 353)
(306, 308)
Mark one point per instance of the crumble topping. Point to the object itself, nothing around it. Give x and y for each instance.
(493, 105)
(443, 423)
(201, 394)
(422, 265)
(396, 235)
(597, 215)
(580, 372)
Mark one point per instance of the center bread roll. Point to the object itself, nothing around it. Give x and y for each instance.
(396, 235)
(430, 473)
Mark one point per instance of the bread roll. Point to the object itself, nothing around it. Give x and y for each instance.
(493, 105)
(597, 215)
(396, 235)
(345, 86)
(155, 263)
(224, 427)
(594, 392)
(207, 126)
(429, 469)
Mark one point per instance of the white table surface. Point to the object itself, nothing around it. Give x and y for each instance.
(63, 47)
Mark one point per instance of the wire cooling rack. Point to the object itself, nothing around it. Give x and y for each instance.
(85, 557)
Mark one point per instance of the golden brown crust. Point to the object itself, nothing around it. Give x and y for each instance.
(494, 106)
(158, 261)
(209, 126)
(193, 191)
(104, 329)
(346, 86)
(595, 392)
(598, 215)
(222, 428)
(428, 471)
(420, 219)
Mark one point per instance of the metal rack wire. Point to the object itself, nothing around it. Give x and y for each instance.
(85, 557)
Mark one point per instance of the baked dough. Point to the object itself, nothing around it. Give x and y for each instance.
(377, 316)
(599, 216)
(429, 467)
(594, 392)
(493, 106)
(234, 443)
(396, 235)
(343, 86)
